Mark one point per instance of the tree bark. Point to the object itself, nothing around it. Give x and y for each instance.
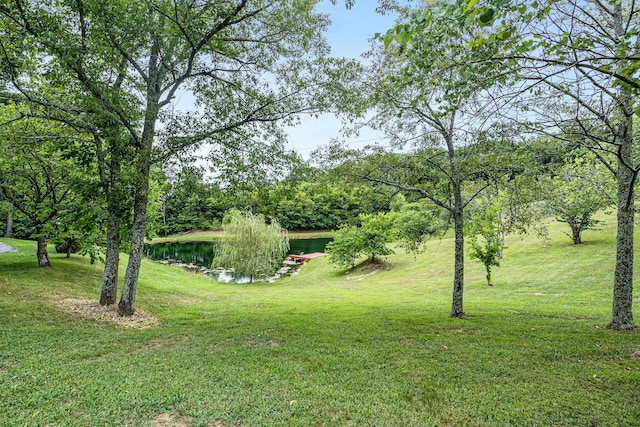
(622, 313)
(576, 232)
(458, 269)
(111, 186)
(126, 306)
(42, 253)
(129, 289)
(112, 258)
(9, 230)
(456, 209)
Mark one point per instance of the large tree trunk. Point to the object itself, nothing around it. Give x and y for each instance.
(129, 289)
(112, 258)
(458, 265)
(111, 186)
(622, 313)
(9, 230)
(42, 253)
(458, 223)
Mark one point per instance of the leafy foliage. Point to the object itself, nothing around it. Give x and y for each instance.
(324, 206)
(189, 202)
(36, 176)
(570, 66)
(487, 231)
(579, 190)
(416, 223)
(250, 246)
(113, 71)
(344, 249)
(412, 226)
(371, 238)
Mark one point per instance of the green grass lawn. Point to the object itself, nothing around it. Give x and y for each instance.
(323, 348)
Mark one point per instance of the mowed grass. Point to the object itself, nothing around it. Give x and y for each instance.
(327, 349)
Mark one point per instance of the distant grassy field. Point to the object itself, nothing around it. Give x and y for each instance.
(213, 235)
(327, 349)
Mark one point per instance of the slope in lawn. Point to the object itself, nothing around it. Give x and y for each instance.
(320, 348)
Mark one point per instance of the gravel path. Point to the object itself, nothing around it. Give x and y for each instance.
(6, 248)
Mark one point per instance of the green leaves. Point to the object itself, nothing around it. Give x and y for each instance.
(371, 238)
(250, 246)
(471, 4)
(487, 17)
(36, 176)
(486, 231)
(416, 223)
(577, 192)
(411, 226)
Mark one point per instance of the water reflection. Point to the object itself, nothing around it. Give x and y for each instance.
(201, 253)
(228, 277)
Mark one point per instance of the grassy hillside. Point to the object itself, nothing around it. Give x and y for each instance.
(325, 348)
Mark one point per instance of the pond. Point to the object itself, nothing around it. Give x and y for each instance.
(201, 253)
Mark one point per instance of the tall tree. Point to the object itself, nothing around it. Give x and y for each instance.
(248, 63)
(424, 104)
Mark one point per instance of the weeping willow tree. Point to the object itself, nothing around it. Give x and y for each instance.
(250, 246)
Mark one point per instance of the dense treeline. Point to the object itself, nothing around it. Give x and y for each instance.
(186, 198)
(192, 201)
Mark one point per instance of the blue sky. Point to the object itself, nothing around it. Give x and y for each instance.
(348, 36)
(351, 29)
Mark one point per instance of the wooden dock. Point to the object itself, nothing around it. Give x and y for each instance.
(306, 257)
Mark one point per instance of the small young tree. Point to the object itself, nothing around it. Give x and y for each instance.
(486, 233)
(376, 232)
(486, 251)
(250, 246)
(371, 238)
(344, 249)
